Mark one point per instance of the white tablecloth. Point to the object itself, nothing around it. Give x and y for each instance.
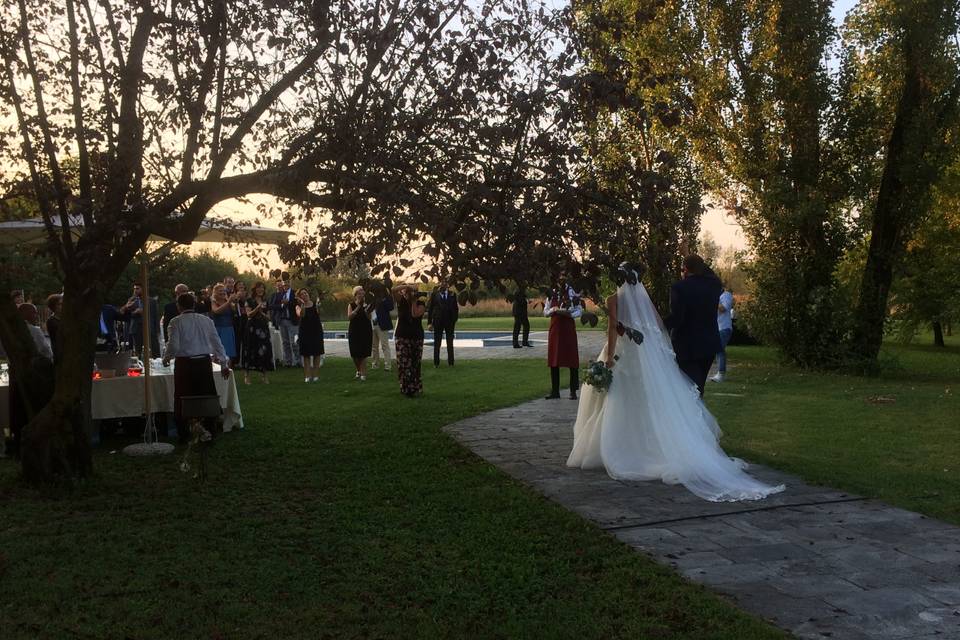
(276, 342)
(123, 397)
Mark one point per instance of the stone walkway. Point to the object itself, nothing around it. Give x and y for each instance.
(817, 562)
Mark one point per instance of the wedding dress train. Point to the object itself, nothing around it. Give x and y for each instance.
(651, 424)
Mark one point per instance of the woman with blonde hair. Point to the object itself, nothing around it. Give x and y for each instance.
(360, 331)
(222, 310)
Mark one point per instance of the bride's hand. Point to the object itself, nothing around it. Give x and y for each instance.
(609, 363)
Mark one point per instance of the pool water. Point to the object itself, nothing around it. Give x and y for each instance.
(460, 338)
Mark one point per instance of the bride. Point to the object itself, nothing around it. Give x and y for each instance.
(651, 423)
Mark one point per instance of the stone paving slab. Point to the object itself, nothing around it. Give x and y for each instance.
(814, 561)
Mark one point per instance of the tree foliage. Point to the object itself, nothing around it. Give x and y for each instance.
(906, 58)
(635, 139)
(926, 290)
(386, 124)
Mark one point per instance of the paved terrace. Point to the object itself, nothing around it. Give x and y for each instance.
(814, 561)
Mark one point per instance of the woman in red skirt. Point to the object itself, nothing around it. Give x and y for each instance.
(563, 307)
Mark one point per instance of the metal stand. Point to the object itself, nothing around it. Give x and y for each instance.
(150, 446)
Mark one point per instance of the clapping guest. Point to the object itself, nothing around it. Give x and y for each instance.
(221, 311)
(239, 298)
(563, 307)
(408, 339)
(359, 331)
(309, 336)
(19, 413)
(382, 324)
(203, 300)
(257, 348)
(30, 316)
(283, 312)
(170, 310)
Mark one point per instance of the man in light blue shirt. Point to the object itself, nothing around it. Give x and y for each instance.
(725, 325)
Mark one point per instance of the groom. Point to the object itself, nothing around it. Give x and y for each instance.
(693, 319)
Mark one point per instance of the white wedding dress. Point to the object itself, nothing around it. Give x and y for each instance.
(651, 423)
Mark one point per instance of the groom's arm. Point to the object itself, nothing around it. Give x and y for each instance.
(676, 317)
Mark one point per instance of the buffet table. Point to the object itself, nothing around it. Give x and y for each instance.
(123, 397)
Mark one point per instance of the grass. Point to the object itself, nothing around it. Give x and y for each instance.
(894, 437)
(342, 511)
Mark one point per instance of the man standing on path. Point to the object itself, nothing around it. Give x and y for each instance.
(520, 319)
(442, 316)
(283, 312)
(693, 319)
(725, 325)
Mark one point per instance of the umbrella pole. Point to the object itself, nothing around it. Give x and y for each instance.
(150, 444)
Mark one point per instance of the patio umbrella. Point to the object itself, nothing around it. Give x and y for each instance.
(33, 231)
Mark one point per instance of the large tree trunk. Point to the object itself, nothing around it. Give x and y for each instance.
(56, 444)
(891, 217)
(916, 154)
(938, 334)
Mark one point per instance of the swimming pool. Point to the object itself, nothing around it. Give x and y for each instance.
(460, 338)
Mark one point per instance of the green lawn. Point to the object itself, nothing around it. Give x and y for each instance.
(896, 437)
(342, 511)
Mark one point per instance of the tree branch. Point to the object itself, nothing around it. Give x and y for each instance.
(43, 122)
(130, 130)
(196, 110)
(86, 189)
(108, 101)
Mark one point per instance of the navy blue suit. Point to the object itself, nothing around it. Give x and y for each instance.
(693, 324)
(107, 330)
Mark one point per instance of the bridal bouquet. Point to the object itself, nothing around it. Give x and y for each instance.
(597, 375)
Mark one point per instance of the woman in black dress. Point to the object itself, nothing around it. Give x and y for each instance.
(360, 332)
(309, 336)
(408, 339)
(257, 348)
(239, 298)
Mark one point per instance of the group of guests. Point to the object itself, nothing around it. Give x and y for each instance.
(243, 322)
(369, 328)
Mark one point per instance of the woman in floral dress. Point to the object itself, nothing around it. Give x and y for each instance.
(257, 349)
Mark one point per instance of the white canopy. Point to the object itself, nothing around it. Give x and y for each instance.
(212, 230)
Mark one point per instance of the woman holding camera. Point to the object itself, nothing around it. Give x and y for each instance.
(360, 331)
(408, 339)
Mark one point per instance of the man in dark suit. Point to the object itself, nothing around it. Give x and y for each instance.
(442, 315)
(283, 313)
(170, 310)
(521, 319)
(693, 319)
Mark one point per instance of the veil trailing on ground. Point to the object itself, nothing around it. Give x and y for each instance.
(652, 424)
